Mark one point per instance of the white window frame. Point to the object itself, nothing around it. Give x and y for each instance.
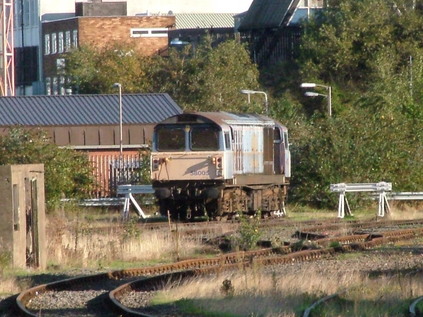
(53, 43)
(62, 83)
(149, 32)
(48, 86)
(55, 86)
(60, 65)
(61, 43)
(75, 38)
(47, 44)
(68, 41)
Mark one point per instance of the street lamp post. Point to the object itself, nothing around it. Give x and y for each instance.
(315, 94)
(119, 86)
(252, 92)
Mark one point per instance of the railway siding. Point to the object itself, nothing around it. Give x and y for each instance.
(265, 257)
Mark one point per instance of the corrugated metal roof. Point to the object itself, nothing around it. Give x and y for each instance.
(204, 20)
(85, 109)
(266, 14)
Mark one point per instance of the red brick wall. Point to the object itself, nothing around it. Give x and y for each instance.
(99, 31)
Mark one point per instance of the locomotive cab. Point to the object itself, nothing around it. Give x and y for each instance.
(189, 150)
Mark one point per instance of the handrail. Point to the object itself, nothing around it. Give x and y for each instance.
(381, 188)
(128, 190)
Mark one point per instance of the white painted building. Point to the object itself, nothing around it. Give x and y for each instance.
(29, 15)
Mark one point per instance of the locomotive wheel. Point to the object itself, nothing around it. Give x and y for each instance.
(177, 211)
(213, 209)
(164, 205)
(180, 211)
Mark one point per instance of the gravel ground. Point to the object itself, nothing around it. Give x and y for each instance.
(330, 273)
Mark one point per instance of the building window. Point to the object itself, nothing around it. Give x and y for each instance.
(68, 41)
(48, 86)
(311, 4)
(47, 48)
(26, 13)
(61, 43)
(18, 16)
(144, 32)
(68, 86)
(60, 66)
(62, 85)
(55, 86)
(75, 38)
(53, 43)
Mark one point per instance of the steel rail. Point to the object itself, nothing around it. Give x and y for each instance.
(412, 308)
(232, 260)
(307, 312)
(155, 283)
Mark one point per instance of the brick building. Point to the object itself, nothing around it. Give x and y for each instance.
(146, 34)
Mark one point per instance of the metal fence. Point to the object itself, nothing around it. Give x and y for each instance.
(110, 171)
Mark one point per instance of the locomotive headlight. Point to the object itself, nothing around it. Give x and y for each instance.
(217, 161)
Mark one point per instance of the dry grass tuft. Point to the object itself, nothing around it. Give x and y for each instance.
(80, 245)
(9, 285)
(258, 293)
(271, 294)
(405, 211)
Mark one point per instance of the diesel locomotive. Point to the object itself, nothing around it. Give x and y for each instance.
(220, 164)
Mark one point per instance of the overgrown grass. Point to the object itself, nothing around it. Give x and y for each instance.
(79, 240)
(80, 244)
(384, 296)
(270, 294)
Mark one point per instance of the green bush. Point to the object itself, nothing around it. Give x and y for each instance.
(67, 172)
(248, 233)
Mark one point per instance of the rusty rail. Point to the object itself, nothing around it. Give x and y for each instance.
(217, 264)
(300, 256)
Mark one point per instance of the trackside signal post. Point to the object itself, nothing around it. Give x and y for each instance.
(380, 188)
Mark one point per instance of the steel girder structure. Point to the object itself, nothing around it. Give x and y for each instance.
(7, 60)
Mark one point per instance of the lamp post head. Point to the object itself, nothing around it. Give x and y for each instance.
(116, 85)
(308, 85)
(312, 94)
(247, 91)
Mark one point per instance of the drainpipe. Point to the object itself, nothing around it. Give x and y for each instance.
(22, 73)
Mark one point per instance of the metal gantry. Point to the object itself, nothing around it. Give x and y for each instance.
(7, 63)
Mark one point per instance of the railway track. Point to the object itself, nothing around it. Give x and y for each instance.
(121, 282)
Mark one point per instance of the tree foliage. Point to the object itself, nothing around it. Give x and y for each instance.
(368, 52)
(368, 46)
(203, 78)
(67, 173)
(94, 71)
